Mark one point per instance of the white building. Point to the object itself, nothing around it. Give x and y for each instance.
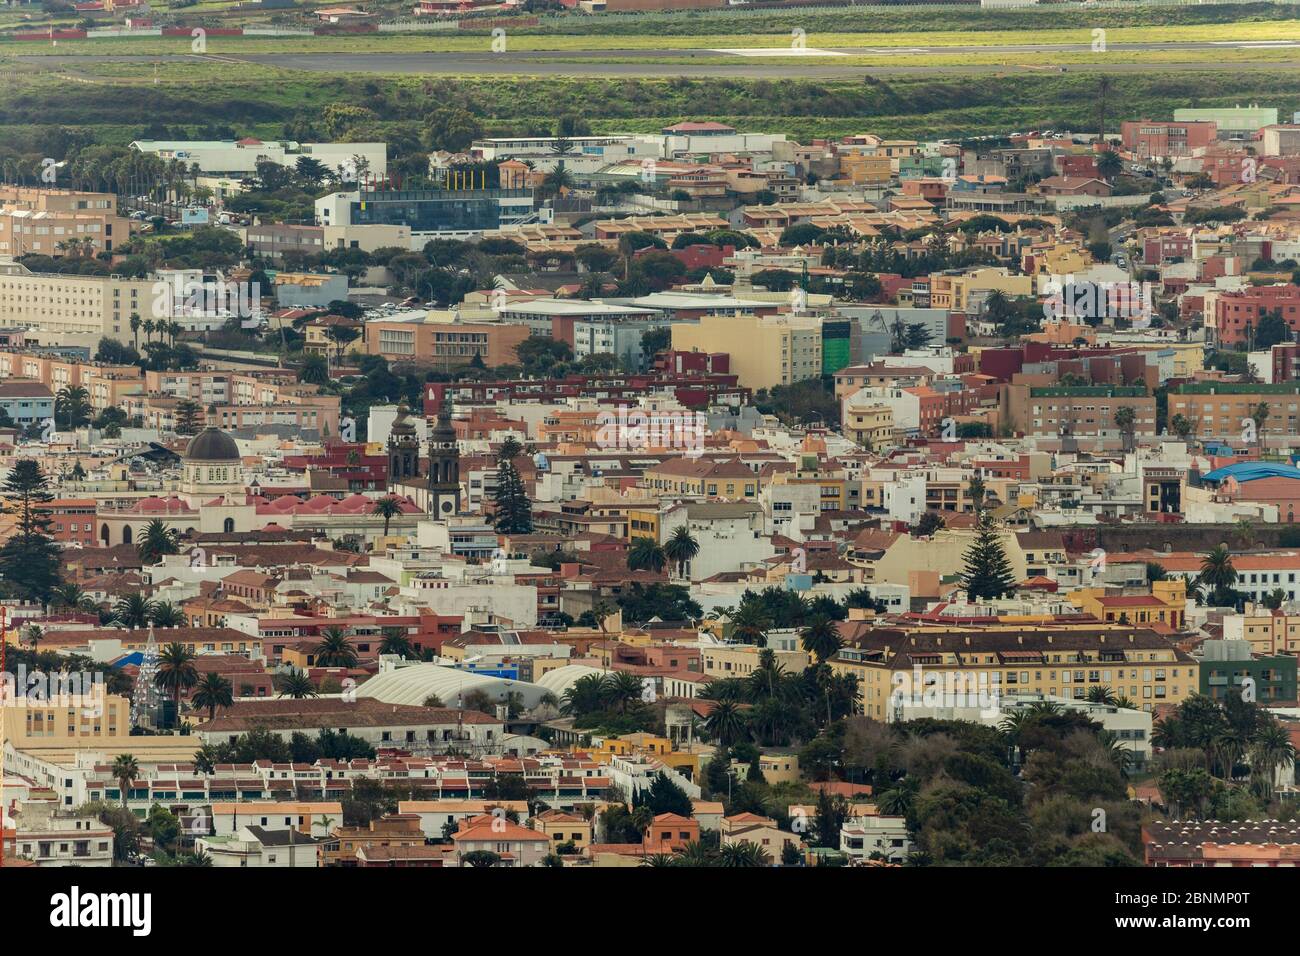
(731, 535)
(240, 157)
(1132, 728)
(49, 836)
(256, 846)
(277, 816)
(867, 835)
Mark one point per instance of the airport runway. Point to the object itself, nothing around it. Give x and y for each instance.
(759, 62)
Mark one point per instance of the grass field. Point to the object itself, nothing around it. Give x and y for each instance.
(114, 102)
(529, 42)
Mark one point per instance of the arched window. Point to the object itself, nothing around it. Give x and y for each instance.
(126, 534)
(229, 525)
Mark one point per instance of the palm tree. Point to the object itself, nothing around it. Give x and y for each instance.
(765, 679)
(387, 508)
(646, 554)
(1218, 572)
(155, 540)
(1101, 695)
(166, 614)
(133, 610)
(334, 649)
(296, 684)
(1169, 733)
(1126, 422)
(659, 859)
(681, 548)
(1109, 164)
(73, 597)
(212, 691)
(35, 634)
(73, 403)
(125, 769)
(585, 695)
(176, 672)
(743, 853)
(695, 854)
(621, 689)
(821, 639)
(897, 800)
(726, 724)
(135, 330)
(750, 623)
(977, 491)
(1119, 754)
(396, 642)
(1229, 744)
(1270, 749)
(557, 181)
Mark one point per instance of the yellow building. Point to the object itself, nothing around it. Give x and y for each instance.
(779, 767)
(643, 523)
(1269, 633)
(51, 305)
(741, 660)
(954, 292)
(765, 350)
(962, 667)
(871, 426)
(702, 477)
(686, 763)
(860, 169)
(1166, 604)
(561, 828)
(84, 719)
(1061, 259)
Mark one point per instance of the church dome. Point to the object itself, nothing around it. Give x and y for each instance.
(212, 444)
(402, 425)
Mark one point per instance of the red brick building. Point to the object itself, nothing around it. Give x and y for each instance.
(1148, 138)
(1237, 314)
(73, 521)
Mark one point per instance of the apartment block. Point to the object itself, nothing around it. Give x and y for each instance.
(1222, 410)
(59, 222)
(451, 343)
(765, 350)
(1136, 663)
(1079, 411)
(50, 306)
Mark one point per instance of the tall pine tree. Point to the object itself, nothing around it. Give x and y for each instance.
(988, 572)
(513, 512)
(30, 566)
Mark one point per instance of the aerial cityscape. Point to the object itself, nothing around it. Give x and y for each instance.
(649, 433)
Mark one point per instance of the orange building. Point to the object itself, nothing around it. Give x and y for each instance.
(670, 832)
(453, 343)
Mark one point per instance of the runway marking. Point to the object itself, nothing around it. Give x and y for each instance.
(781, 51)
(1257, 44)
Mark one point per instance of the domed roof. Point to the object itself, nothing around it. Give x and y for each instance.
(212, 444)
(402, 425)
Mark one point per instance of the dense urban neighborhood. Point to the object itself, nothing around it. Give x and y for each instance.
(686, 492)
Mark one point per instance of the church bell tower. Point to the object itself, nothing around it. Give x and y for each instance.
(444, 465)
(403, 450)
